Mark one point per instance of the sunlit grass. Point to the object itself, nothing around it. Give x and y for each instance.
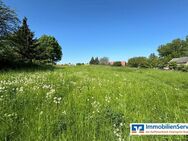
(89, 103)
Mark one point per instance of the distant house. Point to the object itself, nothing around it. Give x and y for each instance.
(111, 63)
(180, 61)
(123, 63)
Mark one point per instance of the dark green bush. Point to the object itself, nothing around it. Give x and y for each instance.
(118, 63)
(173, 65)
(183, 68)
(179, 67)
(79, 64)
(138, 62)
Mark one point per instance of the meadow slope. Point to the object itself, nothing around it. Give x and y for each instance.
(89, 103)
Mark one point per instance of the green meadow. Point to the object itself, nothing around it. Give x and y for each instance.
(89, 103)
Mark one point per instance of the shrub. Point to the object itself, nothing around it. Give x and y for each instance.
(179, 67)
(173, 65)
(138, 62)
(79, 64)
(117, 63)
(162, 64)
(183, 68)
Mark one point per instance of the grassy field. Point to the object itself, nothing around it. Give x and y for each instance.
(89, 103)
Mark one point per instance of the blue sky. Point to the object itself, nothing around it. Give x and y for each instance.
(118, 29)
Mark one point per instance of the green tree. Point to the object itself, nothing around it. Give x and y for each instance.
(163, 62)
(185, 47)
(92, 61)
(173, 65)
(96, 62)
(138, 62)
(177, 48)
(8, 24)
(48, 49)
(8, 56)
(153, 60)
(25, 43)
(8, 20)
(104, 61)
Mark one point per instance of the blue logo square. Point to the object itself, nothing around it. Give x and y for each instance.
(137, 128)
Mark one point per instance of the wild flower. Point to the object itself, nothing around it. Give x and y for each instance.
(118, 134)
(120, 95)
(50, 93)
(46, 86)
(57, 100)
(10, 115)
(36, 87)
(176, 89)
(64, 112)
(41, 112)
(1, 96)
(21, 89)
(2, 89)
(96, 106)
(121, 139)
(107, 99)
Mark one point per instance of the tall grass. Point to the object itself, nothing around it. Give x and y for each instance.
(89, 103)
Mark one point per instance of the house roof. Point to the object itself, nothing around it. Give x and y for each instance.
(180, 60)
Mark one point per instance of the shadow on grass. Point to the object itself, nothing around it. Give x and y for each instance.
(28, 68)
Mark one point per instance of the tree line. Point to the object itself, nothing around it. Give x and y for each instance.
(18, 44)
(104, 61)
(97, 61)
(175, 49)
